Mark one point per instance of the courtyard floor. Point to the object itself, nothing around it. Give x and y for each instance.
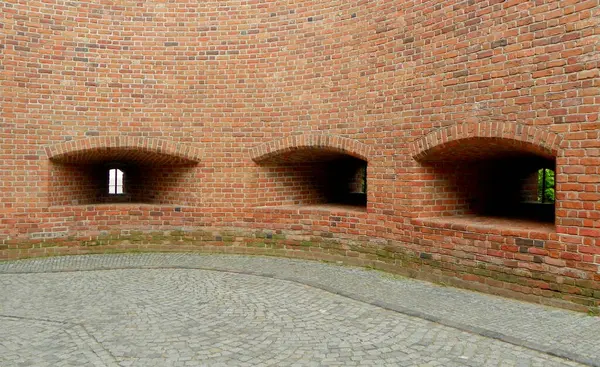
(227, 310)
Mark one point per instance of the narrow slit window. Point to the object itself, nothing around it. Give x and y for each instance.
(115, 181)
(546, 183)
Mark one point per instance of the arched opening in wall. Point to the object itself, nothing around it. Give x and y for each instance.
(119, 175)
(489, 179)
(313, 177)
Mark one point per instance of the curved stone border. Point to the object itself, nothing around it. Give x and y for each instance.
(63, 264)
(180, 151)
(336, 143)
(548, 141)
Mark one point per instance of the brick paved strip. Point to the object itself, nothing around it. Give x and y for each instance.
(555, 332)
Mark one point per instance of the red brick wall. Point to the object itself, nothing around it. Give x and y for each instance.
(75, 184)
(292, 184)
(208, 94)
(530, 187)
(497, 186)
(305, 183)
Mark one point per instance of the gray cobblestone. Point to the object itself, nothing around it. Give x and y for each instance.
(170, 309)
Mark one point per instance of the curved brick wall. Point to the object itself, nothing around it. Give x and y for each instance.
(220, 103)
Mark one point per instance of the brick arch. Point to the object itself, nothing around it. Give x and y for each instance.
(135, 149)
(524, 137)
(327, 143)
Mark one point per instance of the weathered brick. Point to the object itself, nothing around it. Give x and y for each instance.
(245, 122)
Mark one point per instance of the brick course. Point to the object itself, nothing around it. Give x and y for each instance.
(228, 111)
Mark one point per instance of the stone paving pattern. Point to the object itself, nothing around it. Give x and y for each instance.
(225, 310)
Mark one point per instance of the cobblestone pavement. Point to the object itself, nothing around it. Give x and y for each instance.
(220, 310)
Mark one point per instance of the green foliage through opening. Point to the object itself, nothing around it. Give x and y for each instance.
(546, 185)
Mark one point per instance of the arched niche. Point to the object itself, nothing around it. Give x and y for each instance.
(486, 171)
(312, 170)
(146, 171)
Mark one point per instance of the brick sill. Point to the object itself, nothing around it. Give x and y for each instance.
(338, 209)
(491, 225)
(114, 206)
